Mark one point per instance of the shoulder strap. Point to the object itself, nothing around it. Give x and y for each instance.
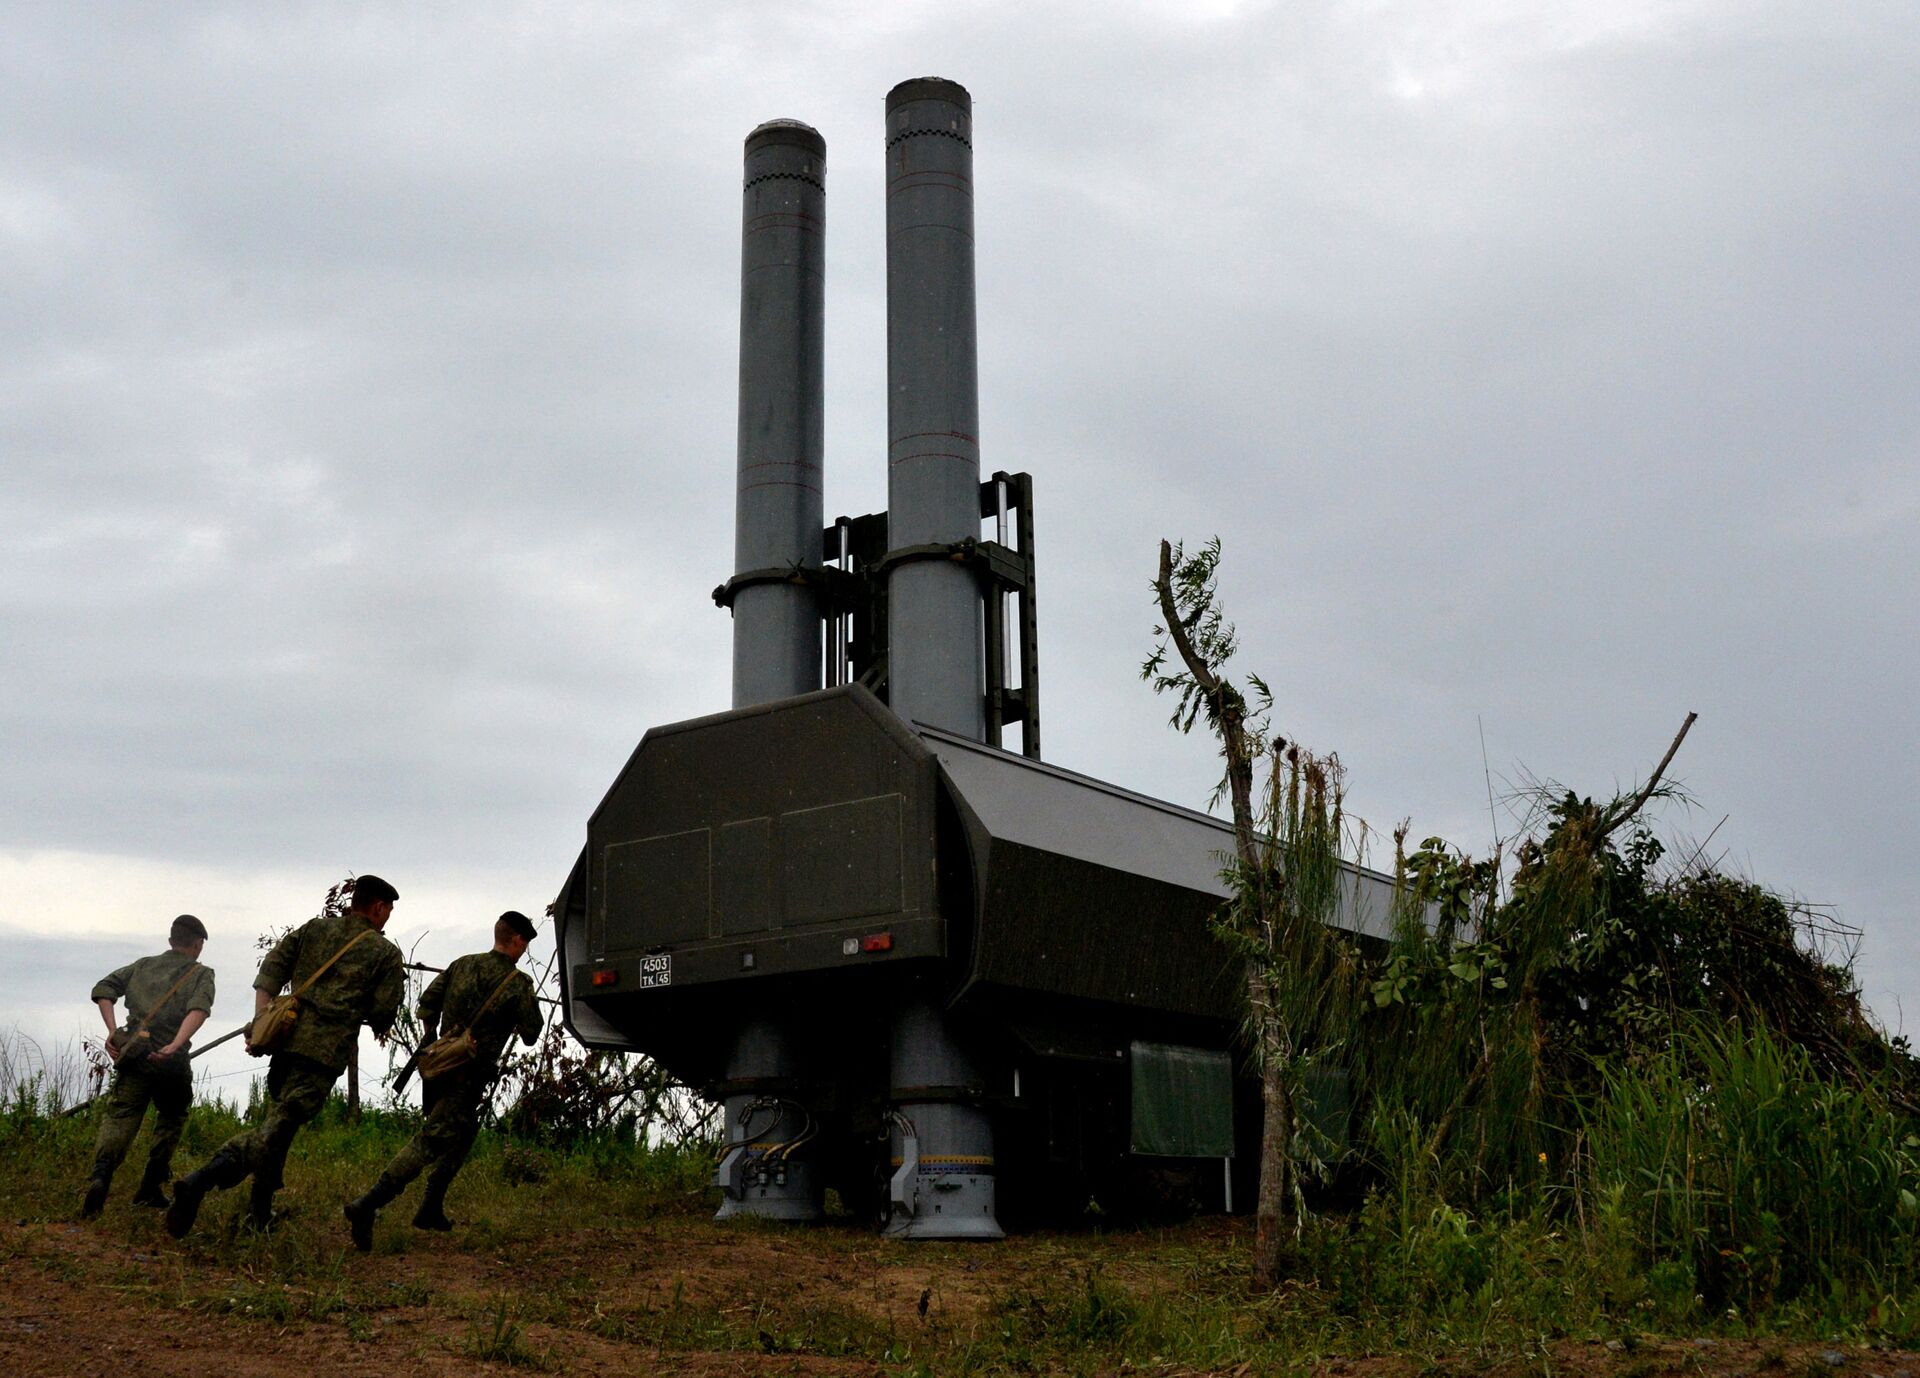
(487, 1004)
(161, 1003)
(301, 989)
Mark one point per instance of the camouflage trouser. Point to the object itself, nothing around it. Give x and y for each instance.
(296, 1089)
(452, 1105)
(169, 1089)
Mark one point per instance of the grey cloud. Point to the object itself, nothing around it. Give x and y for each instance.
(368, 400)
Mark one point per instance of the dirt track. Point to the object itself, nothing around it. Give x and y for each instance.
(76, 1301)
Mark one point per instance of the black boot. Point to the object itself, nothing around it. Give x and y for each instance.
(96, 1197)
(432, 1214)
(362, 1211)
(260, 1204)
(150, 1193)
(221, 1171)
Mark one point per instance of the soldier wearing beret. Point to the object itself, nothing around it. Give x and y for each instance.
(169, 997)
(485, 996)
(346, 974)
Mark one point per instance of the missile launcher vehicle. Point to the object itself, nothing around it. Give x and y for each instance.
(942, 977)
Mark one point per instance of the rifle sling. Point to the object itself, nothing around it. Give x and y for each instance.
(486, 1004)
(161, 1003)
(304, 985)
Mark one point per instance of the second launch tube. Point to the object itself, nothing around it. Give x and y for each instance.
(934, 672)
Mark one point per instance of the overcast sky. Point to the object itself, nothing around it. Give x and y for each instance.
(367, 418)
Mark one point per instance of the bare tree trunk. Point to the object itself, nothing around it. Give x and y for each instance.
(1229, 720)
(353, 1089)
(1273, 1207)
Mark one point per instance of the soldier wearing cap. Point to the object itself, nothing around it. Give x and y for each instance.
(347, 975)
(169, 997)
(484, 995)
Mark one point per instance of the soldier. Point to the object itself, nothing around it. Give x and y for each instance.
(345, 974)
(168, 997)
(483, 995)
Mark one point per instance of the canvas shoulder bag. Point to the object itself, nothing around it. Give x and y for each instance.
(273, 1026)
(457, 1047)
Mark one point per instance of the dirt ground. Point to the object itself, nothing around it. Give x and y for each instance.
(77, 1301)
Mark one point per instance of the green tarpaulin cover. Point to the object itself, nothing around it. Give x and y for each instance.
(1182, 1101)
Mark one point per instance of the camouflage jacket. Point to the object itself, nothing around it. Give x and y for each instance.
(363, 987)
(459, 991)
(144, 982)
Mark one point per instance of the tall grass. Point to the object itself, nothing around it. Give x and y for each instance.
(1727, 1158)
(36, 1079)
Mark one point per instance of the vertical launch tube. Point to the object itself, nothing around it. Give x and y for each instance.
(778, 513)
(934, 671)
(779, 510)
(942, 1184)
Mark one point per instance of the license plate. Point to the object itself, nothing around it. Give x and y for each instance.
(656, 971)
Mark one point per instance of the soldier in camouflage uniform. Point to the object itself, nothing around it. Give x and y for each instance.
(363, 985)
(170, 997)
(452, 1100)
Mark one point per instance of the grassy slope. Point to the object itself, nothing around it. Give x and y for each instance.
(583, 1261)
